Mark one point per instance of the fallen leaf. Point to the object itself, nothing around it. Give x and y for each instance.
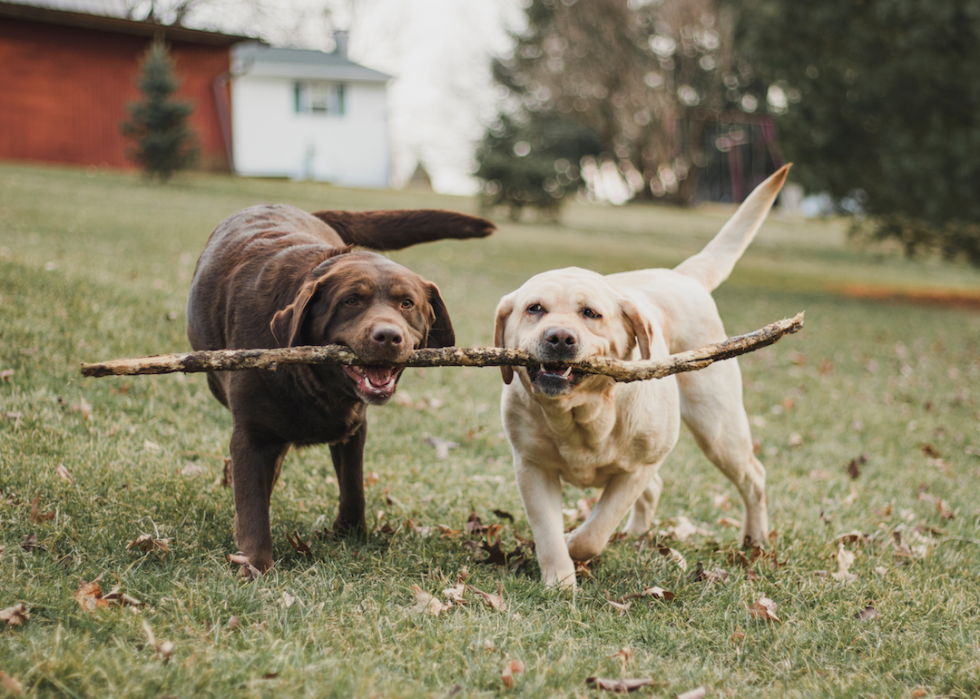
(674, 555)
(63, 473)
(192, 469)
(424, 532)
(474, 525)
(931, 451)
(853, 469)
(455, 593)
(370, 478)
(6, 374)
(10, 684)
(795, 440)
(447, 533)
(298, 545)
(226, 474)
(621, 607)
(513, 667)
(737, 636)
(845, 559)
(881, 571)
(496, 601)
(287, 599)
(151, 446)
(729, 523)
(147, 543)
(867, 613)
(89, 595)
(36, 515)
(696, 693)
(16, 615)
(164, 649)
(442, 446)
(30, 543)
(625, 656)
(115, 597)
(765, 608)
(233, 622)
(944, 510)
(248, 570)
(850, 499)
(621, 686)
(852, 537)
(426, 603)
(654, 591)
(715, 575)
(503, 514)
(685, 529)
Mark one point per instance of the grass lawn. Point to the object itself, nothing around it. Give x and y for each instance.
(96, 266)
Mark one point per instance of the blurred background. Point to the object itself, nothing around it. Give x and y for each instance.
(527, 103)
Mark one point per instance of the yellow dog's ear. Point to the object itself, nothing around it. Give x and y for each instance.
(642, 328)
(504, 309)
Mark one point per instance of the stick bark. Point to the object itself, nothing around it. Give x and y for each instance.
(619, 370)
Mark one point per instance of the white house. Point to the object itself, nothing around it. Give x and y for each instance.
(309, 115)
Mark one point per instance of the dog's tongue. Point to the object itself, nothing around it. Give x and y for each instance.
(378, 377)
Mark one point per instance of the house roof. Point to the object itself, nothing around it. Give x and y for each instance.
(104, 15)
(260, 60)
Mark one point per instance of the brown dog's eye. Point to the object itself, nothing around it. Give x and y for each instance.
(589, 313)
(535, 308)
(351, 301)
(408, 303)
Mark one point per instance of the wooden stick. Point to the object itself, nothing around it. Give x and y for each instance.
(619, 370)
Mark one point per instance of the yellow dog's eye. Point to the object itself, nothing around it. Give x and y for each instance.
(408, 303)
(589, 313)
(535, 308)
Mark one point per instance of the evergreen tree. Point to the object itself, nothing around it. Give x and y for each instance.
(164, 143)
(882, 103)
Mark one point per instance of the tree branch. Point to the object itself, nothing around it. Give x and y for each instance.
(619, 370)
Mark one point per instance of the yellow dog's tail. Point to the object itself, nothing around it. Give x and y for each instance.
(715, 262)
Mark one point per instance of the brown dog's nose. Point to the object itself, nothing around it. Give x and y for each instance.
(387, 336)
(561, 337)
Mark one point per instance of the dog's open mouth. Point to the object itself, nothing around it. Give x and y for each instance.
(553, 380)
(374, 384)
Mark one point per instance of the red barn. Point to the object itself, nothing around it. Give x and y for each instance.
(66, 79)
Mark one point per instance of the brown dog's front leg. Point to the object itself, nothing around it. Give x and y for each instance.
(255, 466)
(348, 462)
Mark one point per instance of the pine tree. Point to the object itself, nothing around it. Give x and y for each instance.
(164, 143)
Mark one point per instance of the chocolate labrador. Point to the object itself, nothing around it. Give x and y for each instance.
(275, 276)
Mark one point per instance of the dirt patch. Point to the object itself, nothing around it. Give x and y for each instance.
(948, 298)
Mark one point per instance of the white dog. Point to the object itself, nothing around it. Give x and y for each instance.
(595, 433)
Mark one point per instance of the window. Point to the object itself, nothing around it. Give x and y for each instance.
(319, 98)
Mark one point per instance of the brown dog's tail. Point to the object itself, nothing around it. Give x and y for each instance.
(401, 228)
(715, 262)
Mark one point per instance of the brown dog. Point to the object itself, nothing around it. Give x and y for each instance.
(275, 276)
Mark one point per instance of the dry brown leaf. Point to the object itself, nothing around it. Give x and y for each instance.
(164, 649)
(850, 499)
(6, 374)
(370, 478)
(83, 408)
(503, 514)
(227, 477)
(852, 537)
(89, 595)
(621, 607)
(10, 684)
(474, 525)
(63, 473)
(455, 593)
(867, 613)
(845, 559)
(737, 636)
(654, 591)
(448, 533)
(442, 446)
(684, 529)
(147, 543)
(233, 622)
(248, 570)
(919, 693)
(426, 603)
(674, 555)
(625, 656)
(192, 469)
(696, 693)
(16, 615)
(512, 668)
(621, 686)
(30, 543)
(729, 523)
(495, 601)
(715, 575)
(765, 608)
(287, 599)
(298, 545)
(123, 600)
(36, 515)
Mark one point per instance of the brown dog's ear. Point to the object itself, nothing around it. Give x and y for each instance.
(642, 327)
(504, 309)
(286, 324)
(441, 332)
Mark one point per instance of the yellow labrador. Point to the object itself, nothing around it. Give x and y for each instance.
(588, 430)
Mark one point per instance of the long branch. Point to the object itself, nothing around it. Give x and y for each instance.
(620, 370)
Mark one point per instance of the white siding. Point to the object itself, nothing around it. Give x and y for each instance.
(271, 139)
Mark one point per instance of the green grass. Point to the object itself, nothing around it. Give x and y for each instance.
(96, 266)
